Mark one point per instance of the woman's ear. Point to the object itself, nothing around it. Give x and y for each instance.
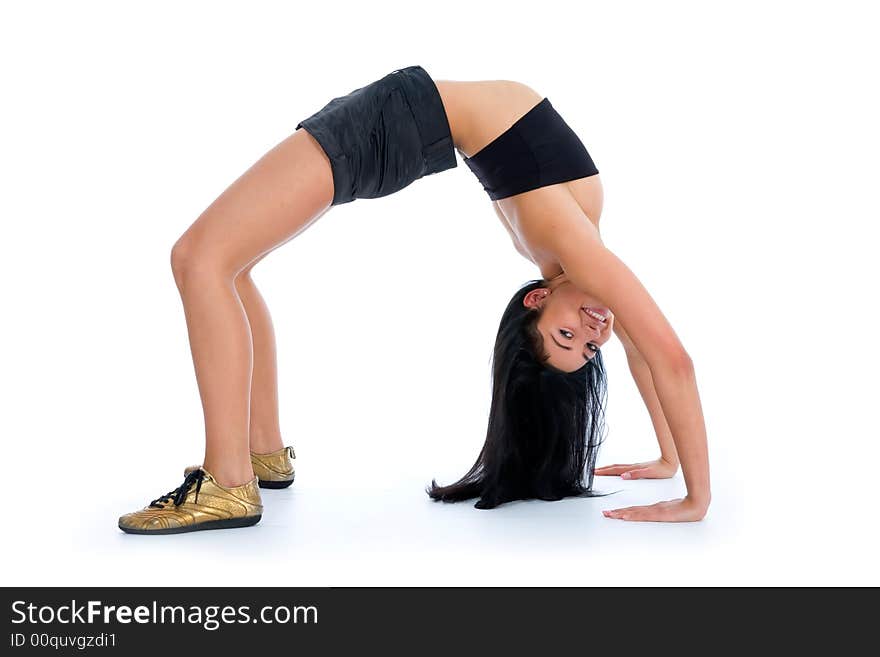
(535, 298)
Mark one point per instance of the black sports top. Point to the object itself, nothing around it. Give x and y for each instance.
(539, 149)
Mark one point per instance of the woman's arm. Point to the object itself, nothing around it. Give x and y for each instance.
(593, 268)
(667, 465)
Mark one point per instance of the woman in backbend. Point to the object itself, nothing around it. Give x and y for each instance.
(546, 416)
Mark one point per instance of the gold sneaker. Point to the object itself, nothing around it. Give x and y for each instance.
(198, 503)
(273, 470)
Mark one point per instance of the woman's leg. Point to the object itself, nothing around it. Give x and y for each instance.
(277, 198)
(264, 427)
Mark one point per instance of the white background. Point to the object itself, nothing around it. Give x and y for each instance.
(738, 148)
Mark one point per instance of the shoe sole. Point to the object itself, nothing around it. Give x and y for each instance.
(265, 483)
(229, 523)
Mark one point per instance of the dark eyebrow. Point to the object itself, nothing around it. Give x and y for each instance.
(586, 358)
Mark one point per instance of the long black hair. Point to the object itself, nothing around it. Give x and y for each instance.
(545, 425)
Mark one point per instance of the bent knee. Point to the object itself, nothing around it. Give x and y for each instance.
(192, 260)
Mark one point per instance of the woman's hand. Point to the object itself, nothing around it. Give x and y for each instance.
(681, 510)
(600, 274)
(658, 469)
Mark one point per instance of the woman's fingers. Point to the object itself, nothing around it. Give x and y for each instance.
(638, 473)
(615, 469)
(636, 470)
(669, 511)
(633, 513)
(657, 469)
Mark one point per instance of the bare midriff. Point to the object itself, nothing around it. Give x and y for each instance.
(480, 111)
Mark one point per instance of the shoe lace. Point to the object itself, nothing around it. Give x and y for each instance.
(178, 495)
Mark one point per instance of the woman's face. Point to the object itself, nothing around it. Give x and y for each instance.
(573, 324)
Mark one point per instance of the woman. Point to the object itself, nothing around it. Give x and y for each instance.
(548, 386)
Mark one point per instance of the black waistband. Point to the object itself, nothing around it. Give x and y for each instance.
(429, 114)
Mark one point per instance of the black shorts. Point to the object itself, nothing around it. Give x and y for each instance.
(381, 137)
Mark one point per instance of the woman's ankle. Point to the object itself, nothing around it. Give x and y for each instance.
(230, 475)
(265, 442)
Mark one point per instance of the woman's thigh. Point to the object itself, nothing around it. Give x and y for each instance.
(277, 198)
